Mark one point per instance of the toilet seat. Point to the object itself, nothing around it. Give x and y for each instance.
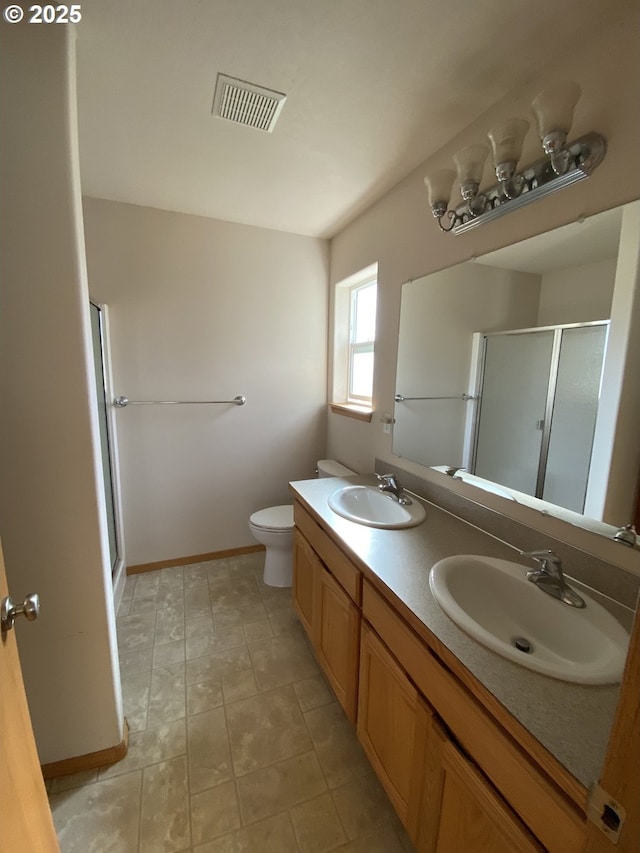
(275, 518)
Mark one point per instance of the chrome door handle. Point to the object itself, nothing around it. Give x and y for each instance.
(30, 608)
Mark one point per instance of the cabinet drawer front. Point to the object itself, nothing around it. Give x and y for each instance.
(348, 576)
(540, 805)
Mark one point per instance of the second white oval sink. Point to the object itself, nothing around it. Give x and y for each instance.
(373, 508)
(493, 602)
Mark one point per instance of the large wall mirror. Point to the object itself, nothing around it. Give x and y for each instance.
(512, 368)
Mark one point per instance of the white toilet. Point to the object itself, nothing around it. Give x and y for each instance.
(273, 528)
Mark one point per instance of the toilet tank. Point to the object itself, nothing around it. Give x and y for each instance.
(331, 468)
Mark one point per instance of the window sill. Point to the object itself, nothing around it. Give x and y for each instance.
(348, 410)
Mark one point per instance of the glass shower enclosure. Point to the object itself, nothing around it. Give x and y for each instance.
(536, 419)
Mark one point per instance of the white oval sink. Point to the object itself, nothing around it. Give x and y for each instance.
(368, 505)
(493, 602)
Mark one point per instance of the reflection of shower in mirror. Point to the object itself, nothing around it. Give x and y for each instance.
(534, 426)
(540, 332)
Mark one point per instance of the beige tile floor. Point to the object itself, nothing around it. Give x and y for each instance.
(237, 744)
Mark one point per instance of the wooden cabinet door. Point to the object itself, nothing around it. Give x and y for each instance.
(337, 639)
(471, 816)
(306, 567)
(393, 726)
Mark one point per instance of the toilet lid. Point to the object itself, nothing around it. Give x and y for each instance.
(274, 518)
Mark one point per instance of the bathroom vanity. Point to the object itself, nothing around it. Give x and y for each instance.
(474, 751)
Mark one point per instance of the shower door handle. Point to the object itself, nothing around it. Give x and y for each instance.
(30, 608)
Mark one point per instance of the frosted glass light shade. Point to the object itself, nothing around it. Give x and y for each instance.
(553, 107)
(439, 184)
(470, 163)
(507, 139)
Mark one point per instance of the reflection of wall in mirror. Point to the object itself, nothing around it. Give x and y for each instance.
(614, 475)
(437, 322)
(578, 294)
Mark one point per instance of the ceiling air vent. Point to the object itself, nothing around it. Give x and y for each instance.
(245, 103)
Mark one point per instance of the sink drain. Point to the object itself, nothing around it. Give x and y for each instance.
(522, 645)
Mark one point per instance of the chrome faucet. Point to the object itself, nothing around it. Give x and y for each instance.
(451, 472)
(627, 535)
(389, 483)
(550, 579)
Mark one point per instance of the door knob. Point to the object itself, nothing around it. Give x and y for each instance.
(30, 608)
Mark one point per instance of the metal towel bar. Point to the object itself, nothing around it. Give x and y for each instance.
(400, 398)
(121, 402)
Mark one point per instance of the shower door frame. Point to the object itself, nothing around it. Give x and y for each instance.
(558, 331)
(118, 571)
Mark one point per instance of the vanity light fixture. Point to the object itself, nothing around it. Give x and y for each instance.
(561, 166)
(507, 140)
(470, 165)
(553, 109)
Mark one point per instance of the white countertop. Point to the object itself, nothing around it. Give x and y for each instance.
(572, 721)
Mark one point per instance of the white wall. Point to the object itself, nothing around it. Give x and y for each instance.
(51, 510)
(578, 294)
(400, 234)
(204, 309)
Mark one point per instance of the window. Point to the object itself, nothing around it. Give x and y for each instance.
(362, 331)
(354, 329)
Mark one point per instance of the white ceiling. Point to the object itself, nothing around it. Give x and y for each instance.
(373, 88)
